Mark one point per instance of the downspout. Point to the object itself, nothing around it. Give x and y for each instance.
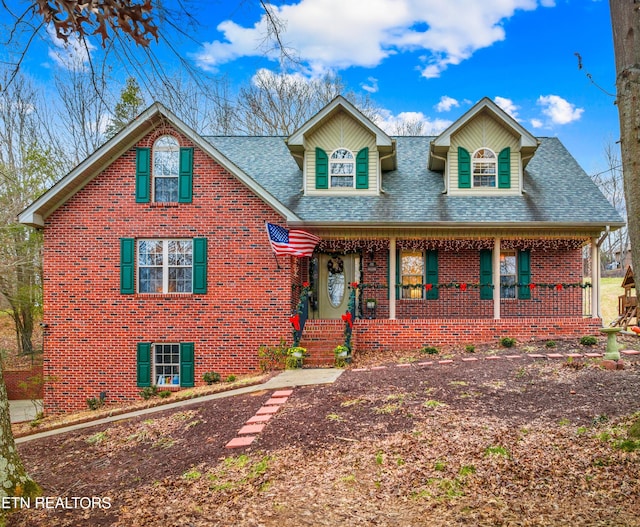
(446, 169)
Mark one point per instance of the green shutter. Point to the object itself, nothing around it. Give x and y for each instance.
(143, 175)
(524, 275)
(185, 176)
(322, 169)
(486, 274)
(431, 275)
(186, 365)
(362, 169)
(464, 168)
(504, 168)
(127, 265)
(143, 368)
(200, 266)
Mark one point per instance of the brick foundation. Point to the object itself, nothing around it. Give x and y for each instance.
(386, 335)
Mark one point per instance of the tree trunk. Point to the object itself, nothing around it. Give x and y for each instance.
(14, 481)
(625, 22)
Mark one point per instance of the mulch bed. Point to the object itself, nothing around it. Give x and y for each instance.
(142, 465)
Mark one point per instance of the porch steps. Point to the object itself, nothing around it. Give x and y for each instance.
(320, 337)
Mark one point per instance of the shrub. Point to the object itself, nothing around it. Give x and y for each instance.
(164, 394)
(148, 392)
(588, 340)
(429, 350)
(470, 348)
(550, 344)
(272, 357)
(210, 377)
(94, 403)
(507, 342)
(230, 378)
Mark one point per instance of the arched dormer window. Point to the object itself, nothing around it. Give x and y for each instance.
(484, 168)
(166, 166)
(342, 168)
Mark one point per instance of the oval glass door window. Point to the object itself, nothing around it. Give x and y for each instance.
(336, 288)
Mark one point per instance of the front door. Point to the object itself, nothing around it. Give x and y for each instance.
(335, 274)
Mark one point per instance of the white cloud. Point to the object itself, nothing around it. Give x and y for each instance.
(507, 105)
(536, 123)
(410, 123)
(559, 110)
(446, 103)
(372, 87)
(72, 54)
(334, 34)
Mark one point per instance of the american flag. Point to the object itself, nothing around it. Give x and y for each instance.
(298, 243)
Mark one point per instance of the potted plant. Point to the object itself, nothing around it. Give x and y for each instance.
(295, 357)
(371, 303)
(341, 353)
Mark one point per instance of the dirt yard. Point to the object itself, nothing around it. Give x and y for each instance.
(514, 441)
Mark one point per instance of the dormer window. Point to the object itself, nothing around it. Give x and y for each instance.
(342, 168)
(166, 161)
(485, 168)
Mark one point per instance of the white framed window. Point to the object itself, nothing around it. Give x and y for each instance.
(166, 164)
(508, 274)
(166, 364)
(165, 266)
(411, 273)
(484, 166)
(342, 168)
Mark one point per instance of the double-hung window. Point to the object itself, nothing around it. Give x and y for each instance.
(165, 266)
(417, 274)
(508, 274)
(411, 273)
(484, 168)
(166, 162)
(342, 168)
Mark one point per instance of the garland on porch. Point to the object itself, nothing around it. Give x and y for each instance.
(543, 245)
(352, 246)
(453, 244)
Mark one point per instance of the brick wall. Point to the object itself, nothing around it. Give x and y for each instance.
(13, 379)
(386, 335)
(92, 329)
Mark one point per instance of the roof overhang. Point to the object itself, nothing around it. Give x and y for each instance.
(385, 144)
(440, 145)
(152, 118)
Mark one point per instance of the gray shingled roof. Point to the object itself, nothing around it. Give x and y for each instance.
(556, 189)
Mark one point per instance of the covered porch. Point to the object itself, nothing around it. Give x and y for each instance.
(413, 291)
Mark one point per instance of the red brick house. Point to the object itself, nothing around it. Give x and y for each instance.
(158, 268)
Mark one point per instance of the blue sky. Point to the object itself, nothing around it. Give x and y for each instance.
(432, 59)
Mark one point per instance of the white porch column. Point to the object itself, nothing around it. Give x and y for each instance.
(496, 278)
(595, 278)
(392, 278)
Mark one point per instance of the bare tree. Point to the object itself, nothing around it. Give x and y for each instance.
(611, 184)
(279, 103)
(625, 21)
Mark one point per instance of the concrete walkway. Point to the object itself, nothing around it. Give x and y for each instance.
(24, 410)
(286, 379)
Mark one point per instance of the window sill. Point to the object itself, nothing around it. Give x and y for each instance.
(163, 205)
(164, 296)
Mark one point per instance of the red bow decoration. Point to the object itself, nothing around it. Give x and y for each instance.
(354, 284)
(532, 286)
(558, 287)
(463, 287)
(305, 284)
(295, 320)
(428, 287)
(348, 318)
